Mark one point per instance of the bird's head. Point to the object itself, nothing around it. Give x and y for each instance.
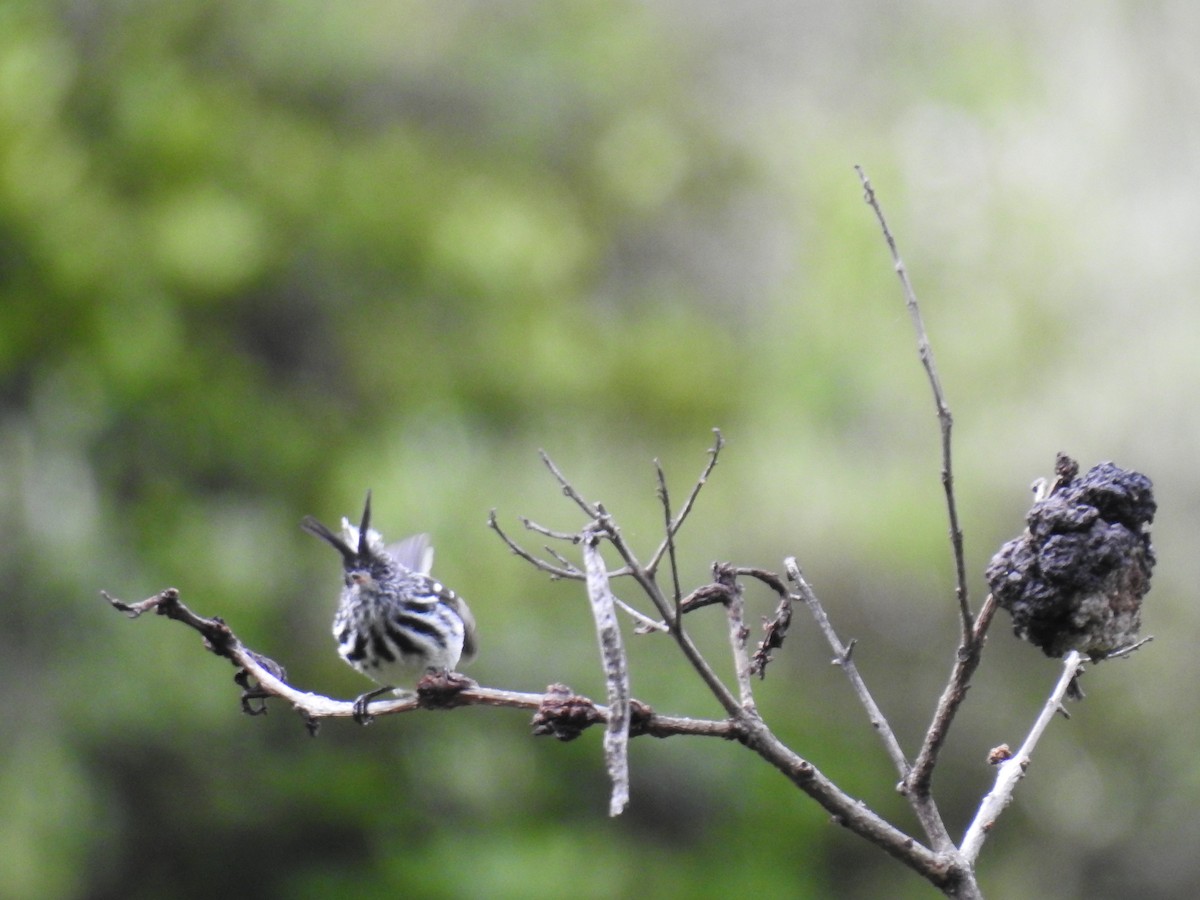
(363, 553)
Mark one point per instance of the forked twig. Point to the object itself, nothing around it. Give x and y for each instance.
(601, 524)
(554, 571)
(686, 509)
(973, 630)
(941, 868)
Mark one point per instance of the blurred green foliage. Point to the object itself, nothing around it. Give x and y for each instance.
(256, 258)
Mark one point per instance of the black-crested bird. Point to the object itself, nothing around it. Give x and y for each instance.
(394, 620)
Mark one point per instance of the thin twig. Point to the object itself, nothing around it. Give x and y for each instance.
(570, 573)
(593, 511)
(770, 579)
(966, 661)
(569, 537)
(923, 805)
(843, 659)
(939, 398)
(1127, 650)
(1012, 771)
(644, 624)
(669, 528)
(562, 560)
(680, 517)
(566, 569)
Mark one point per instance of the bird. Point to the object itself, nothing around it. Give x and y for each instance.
(394, 620)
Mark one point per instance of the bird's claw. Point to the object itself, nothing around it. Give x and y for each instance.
(360, 714)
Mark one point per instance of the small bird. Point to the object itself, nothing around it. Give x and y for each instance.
(394, 619)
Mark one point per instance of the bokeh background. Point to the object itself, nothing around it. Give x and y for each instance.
(258, 257)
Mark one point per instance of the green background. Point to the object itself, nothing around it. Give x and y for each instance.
(258, 257)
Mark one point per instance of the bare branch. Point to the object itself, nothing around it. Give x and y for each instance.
(1126, 651)
(561, 713)
(944, 869)
(645, 624)
(770, 579)
(923, 804)
(842, 658)
(432, 693)
(685, 510)
(592, 511)
(602, 523)
(939, 398)
(669, 528)
(566, 572)
(570, 537)
(1012, 771)
(965, 663)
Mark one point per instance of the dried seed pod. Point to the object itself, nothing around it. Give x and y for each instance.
(1075, 579)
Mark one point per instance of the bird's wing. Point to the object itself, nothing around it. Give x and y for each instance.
(415, 553)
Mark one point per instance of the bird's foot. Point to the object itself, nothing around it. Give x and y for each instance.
(361, 716)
